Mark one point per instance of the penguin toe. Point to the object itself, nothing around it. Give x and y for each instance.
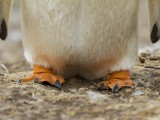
(115, 84)
(36, 80)
(42, 75)
(50, 78)
(102, 86)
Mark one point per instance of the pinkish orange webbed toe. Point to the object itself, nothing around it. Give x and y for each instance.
(41, 74)
(116, 81)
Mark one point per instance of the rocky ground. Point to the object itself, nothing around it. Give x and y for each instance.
(79, 99)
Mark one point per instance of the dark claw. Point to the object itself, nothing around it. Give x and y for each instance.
(100, 86)
(58, 85)
(115, 88)
(36, 80)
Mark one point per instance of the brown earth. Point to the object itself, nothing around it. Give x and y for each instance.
(79, 98)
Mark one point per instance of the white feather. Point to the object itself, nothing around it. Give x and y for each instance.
(80, 37)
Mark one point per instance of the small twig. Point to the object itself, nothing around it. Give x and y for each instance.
(148, 66)
(157, 67)
(5, 68)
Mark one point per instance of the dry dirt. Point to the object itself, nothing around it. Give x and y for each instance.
(79, 99)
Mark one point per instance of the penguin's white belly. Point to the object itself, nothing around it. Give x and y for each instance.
(80, 37)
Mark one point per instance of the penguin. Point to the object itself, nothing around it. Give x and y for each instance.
(154, 19)
(92, 39)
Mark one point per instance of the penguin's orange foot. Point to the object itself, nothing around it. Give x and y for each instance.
(116, 81)
(41, 75)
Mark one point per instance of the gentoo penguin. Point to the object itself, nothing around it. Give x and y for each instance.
(89, 38)
(154, 19)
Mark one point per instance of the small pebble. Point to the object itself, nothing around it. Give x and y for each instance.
(142, 60)
(154, 58)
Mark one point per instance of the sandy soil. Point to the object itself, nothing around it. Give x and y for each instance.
(79, 99)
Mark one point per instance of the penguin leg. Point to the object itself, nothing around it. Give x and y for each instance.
(41, 75)
(116, 81)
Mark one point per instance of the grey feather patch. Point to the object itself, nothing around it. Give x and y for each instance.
(3, 30)
(154, 34)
